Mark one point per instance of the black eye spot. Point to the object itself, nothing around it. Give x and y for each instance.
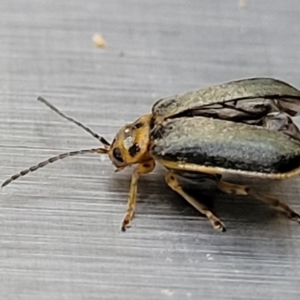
(138, 125)
(133, 150)
(117, 155)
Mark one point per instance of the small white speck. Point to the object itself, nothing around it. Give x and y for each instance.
(99, 41)
(189, 295)
(169, 259)
(209, 257)
(126, 130)
(102, 157)
(167, 292)
(242, 3)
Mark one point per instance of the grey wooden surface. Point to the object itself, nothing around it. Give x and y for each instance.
(60, 228)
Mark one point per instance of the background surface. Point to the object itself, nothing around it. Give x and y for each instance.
(60, 228)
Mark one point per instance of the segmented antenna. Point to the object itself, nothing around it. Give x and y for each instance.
(95, 135)
(51, 160)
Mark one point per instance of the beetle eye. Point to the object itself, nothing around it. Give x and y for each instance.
(117, 155)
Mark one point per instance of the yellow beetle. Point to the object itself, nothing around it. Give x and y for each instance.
(240, 127)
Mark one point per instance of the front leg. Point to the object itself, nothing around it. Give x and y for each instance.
(142, 168)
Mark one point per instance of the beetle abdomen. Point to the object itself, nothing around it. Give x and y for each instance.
(225, 144)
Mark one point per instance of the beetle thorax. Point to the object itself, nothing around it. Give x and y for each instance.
(130, 145)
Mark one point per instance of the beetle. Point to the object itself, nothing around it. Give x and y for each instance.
(242, 127)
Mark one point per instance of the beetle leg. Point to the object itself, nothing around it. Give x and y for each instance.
(142, 168)
(203, 209)
(278, 205)
(230, 188)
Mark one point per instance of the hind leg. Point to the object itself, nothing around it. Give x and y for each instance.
(236, 189)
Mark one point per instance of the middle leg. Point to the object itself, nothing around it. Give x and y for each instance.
(203, 209)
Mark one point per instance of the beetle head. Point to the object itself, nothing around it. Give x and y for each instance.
(130, 145)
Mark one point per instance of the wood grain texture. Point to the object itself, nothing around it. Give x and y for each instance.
(60, 228)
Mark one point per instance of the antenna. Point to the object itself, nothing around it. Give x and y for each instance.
(51, 160)
(95, 135)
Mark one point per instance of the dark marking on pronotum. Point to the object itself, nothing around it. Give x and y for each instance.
(134, 149)
(138, 125)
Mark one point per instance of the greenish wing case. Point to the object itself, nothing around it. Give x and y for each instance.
(225, 144)
(253, 88)
(264, 102)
